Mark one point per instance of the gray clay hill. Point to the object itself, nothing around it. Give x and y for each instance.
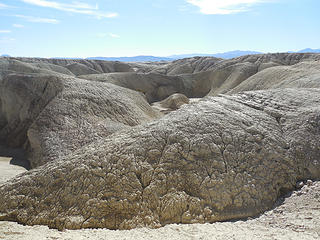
(123, 145)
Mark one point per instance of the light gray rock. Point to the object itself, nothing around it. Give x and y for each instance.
(22, 98)
(228, 74)
(81, 69)
(10, 65)
(155, 87)
(60, 65)
(52, 116)
(301, 75)
(204, 75)
(171, 103)
(224, 158)
(187, 66)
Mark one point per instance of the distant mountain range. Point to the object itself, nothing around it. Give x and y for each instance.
(225, 55)
(133, 59)
(142, 58)
(307, 50)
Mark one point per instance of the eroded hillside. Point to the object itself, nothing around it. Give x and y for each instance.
(103, 157)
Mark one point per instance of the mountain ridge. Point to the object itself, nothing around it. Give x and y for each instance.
(224, 55)
(150, 58)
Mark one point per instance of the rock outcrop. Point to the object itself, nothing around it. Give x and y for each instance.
(155, 87)
(64, 66)
(202, 76)
(226, 75)
(223, 158)
(187, 66)
(103, 158)
(22, 98)
(10, 65)
(52, 116)
(171, 103)
(301, 75)
(81, 69)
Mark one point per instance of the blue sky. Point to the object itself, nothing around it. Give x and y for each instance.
(83, 28)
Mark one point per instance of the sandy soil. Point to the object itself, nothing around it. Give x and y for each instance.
(296, 217)
(7, 170)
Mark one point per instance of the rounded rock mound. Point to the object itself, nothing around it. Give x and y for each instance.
(171, 103)
(224, 158)
(51, 116)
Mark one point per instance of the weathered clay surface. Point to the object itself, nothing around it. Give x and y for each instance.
(202, 64)
(226, 75)
(226, 157)
(80, 69)
(64, 66)
(83, 113)
(11, 65)
(155, 87)
(202, 76)
(301, 75)
(171, 103)
(51, 116)
(187, 66)
(22, 98)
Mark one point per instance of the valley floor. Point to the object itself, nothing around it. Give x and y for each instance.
(296, 217)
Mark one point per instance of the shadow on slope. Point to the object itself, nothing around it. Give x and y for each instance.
(18, 155)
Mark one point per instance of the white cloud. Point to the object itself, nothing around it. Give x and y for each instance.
(17, 25)
(224, 6)
(74, 7)
(3, 6)
(5, 31)
(6, 39)
(37, 19)
(113, 35)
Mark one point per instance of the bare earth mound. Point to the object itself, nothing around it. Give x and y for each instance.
(205, 163)
(102, 157)
(296, 218)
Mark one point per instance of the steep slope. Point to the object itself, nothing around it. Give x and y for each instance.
(301, 75)
(155, 87)
(10, 65)
(52, 116)
(226, 157)
(76, 66)
(187, 66)
(203, 75)
(228, 74)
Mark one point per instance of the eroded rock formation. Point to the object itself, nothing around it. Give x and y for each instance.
(52, 116)
(171, 103)
(226, 157)
(102, 157)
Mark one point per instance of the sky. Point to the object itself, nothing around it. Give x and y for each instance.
(113, 28)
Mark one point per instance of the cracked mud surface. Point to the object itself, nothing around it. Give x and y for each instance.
(204, 163)
(227, 157)
(297, 217)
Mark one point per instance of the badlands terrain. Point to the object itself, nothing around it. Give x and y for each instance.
(165, 149)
